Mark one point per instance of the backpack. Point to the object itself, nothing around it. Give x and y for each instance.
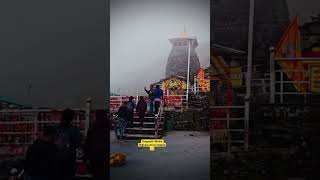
(64, 142)
(131, 106)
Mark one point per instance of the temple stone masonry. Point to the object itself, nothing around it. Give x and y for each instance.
(231, 21)
(177, 64)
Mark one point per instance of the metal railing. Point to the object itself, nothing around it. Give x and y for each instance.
(279, 86)
(158, 119)
(23, 126)
(222, 120)
(170, 102)
(19, 128)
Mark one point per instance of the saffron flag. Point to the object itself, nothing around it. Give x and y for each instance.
(201, 80)
(289, 46)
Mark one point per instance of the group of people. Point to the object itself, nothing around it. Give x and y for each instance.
(155, 96)
(53, 154)
(126, 110)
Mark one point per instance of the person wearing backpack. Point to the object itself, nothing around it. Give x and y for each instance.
(67, 141)
(131, 107)
(41, 157)
(122, 120)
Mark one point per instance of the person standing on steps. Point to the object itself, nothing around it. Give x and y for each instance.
(150, 92)
(158, 95)
(131, 107)
(122, 120)
(141, 110)
(67, 141)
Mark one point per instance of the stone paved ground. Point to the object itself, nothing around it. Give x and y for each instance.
(185, 157)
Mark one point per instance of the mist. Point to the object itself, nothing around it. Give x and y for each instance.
(139, 45)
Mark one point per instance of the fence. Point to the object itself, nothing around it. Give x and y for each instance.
(280, 89)
(228, 128)
(19, 128)
(171, 102)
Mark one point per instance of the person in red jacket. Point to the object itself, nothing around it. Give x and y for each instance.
(141, 110)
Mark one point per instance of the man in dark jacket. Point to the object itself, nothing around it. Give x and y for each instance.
(41, 159)
(141, 109)
(158, 95)
(123, 116)
(151, 98)
(67, 140)
(131, 107)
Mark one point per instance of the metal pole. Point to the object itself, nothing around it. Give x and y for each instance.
(137, 97)
(248, 78)
(194, 85)
(272, 76)
(188, 73)
(87, 118)
(281, 87)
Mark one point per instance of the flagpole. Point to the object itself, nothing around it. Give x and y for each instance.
(188, 74)
(249, 74)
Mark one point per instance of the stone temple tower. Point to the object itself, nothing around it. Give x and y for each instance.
(177, 63)
(230, 21)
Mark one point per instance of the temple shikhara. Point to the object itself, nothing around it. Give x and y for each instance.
(177, 64)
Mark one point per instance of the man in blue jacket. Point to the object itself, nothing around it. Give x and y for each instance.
(158, 95)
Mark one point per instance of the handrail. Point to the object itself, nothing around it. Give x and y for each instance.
(158, 118)
(298, 59)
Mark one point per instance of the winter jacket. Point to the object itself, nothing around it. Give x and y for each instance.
(141, 107)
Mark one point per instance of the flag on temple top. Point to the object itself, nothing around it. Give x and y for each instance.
(200, 74)
(289, 46)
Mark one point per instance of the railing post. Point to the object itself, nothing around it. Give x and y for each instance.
(272, 76)
(87, 115)
(137, 96)
(194, 85)
(36, 124)
(229, 133)
(281, 87)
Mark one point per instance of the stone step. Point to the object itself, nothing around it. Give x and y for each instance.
(141, 136)
(144, 129)
(146, 123)
(147, 117)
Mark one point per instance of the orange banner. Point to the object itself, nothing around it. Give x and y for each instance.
(289, 46)
(201, 80)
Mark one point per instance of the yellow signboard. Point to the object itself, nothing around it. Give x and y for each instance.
(315, 78)
(235, 76)
(152, 143)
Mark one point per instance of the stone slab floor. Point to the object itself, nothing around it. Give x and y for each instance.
(186, 157)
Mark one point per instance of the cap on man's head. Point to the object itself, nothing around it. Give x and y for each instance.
(68, 115)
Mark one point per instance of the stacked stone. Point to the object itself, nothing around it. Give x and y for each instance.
(177, 64)
(195, 118)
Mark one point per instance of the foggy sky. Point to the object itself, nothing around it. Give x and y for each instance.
(59, 46)
(139, 36)
(140, 29)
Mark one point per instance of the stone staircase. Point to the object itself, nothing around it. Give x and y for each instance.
(153, 126)
(148, 129)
